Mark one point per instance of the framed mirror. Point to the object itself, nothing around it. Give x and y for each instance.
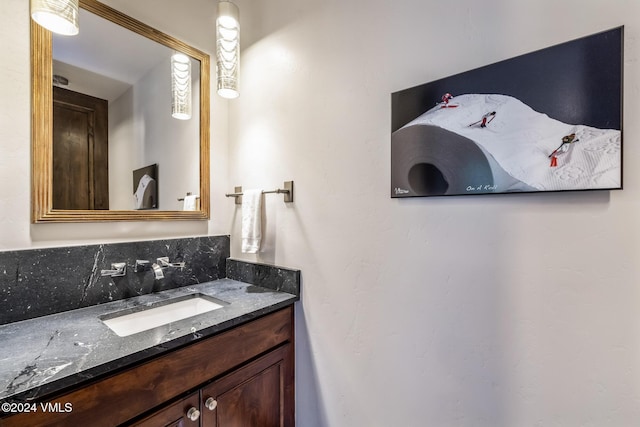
(105, 146)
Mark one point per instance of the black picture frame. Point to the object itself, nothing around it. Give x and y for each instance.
(145, 188)
(441, 147)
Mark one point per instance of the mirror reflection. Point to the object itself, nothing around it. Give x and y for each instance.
(106, 141)
(112, 116)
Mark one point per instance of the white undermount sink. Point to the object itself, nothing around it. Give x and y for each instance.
(138, 319)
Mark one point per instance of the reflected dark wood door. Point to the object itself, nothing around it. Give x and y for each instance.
(80, 151)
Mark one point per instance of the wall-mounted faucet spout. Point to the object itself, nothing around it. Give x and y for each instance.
(164, 262)
(157, 271)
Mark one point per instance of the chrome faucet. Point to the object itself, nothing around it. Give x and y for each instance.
(164, 262)
(141, 265)
(157, 271)
(118, 269)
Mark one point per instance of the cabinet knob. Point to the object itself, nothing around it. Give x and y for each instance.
(193, 414)
(211, 403)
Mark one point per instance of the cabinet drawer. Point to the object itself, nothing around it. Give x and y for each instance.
(175, 415)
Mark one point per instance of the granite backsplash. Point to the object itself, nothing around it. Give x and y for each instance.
(38, 282)
(265, 275)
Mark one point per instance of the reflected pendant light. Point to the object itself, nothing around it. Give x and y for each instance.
(180, 86)
(58, 16)
(228, 49)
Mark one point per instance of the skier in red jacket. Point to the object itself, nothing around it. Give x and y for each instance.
(567, 140)
(485, 120)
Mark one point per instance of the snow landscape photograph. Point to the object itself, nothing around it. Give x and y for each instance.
(550, 120)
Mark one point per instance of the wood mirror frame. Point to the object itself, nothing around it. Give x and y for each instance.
(42, 210)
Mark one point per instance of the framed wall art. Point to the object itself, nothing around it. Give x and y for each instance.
(145, 187)
(549, 120)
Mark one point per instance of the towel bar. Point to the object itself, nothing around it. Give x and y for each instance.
(287, 191)
(188, 194)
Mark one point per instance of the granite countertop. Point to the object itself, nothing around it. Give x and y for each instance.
(45, 355)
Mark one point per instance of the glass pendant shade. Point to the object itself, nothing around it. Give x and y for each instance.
(228, 49)
(180, 86)
(58, 16)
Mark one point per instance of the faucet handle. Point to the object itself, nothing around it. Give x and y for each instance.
(164, 262)
(141, 265)
(118, 269)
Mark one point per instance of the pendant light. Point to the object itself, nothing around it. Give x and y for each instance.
(228, 49)
(58, 16)
(180, 86)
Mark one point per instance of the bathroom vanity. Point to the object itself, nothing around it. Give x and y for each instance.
(209, 343)
(242, 376)
(233, 365)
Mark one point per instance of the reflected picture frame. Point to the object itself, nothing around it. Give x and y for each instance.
(145, 188)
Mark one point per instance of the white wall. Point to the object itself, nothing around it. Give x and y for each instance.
(518, 310)
(174, 145)
(192, 25)
(143, 133)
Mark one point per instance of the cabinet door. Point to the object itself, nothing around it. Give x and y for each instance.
(260, 394)
(183, 413)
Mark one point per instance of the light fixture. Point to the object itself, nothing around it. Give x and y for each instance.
(180, 86)
(59, 16)
(228, 49)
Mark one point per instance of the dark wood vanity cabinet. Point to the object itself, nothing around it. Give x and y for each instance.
(241, 377)
(255, 395)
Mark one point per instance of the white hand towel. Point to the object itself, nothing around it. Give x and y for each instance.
(190, 203)
(251, 221)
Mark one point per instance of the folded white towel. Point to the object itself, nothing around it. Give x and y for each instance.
(251, 220)
(190, 203)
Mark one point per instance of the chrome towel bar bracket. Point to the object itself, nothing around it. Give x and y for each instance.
(287, 191)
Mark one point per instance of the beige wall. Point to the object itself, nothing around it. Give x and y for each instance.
(518, 310)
